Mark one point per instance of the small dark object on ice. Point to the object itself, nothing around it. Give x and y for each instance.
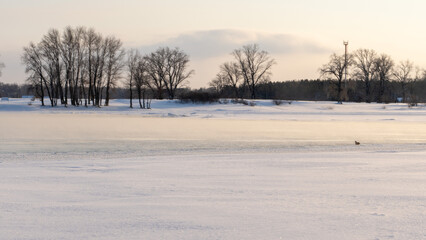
(357, 143)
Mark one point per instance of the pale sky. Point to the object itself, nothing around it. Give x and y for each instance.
(299, 34)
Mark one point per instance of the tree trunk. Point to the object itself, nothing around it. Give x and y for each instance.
(339, 91)
(143, 97)
(42, 92)
(107, 93)
(139, 97)
(131, 96)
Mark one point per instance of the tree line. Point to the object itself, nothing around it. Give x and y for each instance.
(371, 77)
(326, 90)
(79, 66)
(306, 89)
(377, 72)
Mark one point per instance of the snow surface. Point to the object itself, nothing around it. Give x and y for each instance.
(215, 171)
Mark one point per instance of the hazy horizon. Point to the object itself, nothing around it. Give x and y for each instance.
(300, 35)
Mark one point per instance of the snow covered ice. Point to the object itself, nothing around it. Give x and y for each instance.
(219, 171)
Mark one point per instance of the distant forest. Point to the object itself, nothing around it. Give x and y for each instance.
(307, 90)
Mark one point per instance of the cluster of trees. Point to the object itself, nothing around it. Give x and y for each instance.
(80, 65)
(161, 72)
(371, 77)
(376, 71)
(250, 68)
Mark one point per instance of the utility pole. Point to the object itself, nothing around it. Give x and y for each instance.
(346, 60)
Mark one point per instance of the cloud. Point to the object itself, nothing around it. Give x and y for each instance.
(215, 43)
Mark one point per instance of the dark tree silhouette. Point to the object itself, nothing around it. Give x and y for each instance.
(402, 74)
(113, 64)
(231, 75)
(167, 69)
(255, 66)
(76, 64)
(383, 69)
(336, 68)
(364, 69)
(133, 57)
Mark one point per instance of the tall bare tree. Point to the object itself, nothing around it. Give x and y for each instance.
(231, 74)
(35, 65)
(177, 70)
(383, 69)
(168, 69)
(419, 75)
(403, 74)
(93, 43)
(133, 57)
(364, 68)
(78, 91)
(113, 64)
(219, 83)
(336, 68)
(43, 69)
(72, 57)
(156, 67)
(141, 81)
(50, 47)
(255, 66)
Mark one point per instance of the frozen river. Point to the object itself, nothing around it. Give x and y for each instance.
(178, 175)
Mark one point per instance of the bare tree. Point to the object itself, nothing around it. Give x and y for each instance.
(219, 83)
(255, 66)
(78, 91)
(32, 59)
(41, 69)
(93, 44)
(176, 68)
(50, 49)
(419, 74)
(72, 56)
(231, 74)
(79, 68)
(402, 73)
(113, 64)
(364, 68)
(167, 69)
(133, 57)
(156, 67)
(141, 77)
(336, 68)
(383, 69)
